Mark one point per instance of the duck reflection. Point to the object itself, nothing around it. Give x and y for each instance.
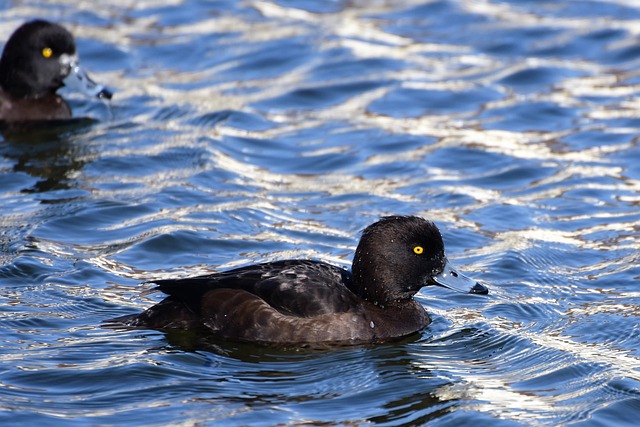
(390, 377)
(46, 151)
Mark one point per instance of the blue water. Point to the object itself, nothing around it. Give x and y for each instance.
(250, 131)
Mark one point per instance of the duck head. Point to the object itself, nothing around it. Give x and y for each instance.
(398, 255)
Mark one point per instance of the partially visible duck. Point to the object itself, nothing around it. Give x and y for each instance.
(304, 301)
(38, 59)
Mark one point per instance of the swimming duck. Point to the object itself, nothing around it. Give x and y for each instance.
(305, 301)
(38, 59)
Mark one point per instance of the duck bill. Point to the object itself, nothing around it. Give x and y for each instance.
(452, 279)
(77, 79)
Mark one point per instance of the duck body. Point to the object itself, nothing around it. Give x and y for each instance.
(45, 108)
(308, 301)
(285, 301)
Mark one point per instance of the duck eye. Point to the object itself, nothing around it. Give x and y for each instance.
(418, 250)
(47, 52)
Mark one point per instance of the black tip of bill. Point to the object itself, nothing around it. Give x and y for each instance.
(479, 288)
(105, 94)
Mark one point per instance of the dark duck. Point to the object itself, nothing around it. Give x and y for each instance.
(38, 59)
(305, 301)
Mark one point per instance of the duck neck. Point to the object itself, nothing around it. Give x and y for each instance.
(368, 281)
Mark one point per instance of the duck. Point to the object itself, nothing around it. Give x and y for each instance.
(38, 59)
(300, 301)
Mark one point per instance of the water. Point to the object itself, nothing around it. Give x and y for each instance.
(243, 132)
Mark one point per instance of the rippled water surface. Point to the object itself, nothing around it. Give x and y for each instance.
(249, 131)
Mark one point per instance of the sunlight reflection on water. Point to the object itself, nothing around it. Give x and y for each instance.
(244, 132)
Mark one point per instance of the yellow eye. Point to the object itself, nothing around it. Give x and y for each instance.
(418, 250)
(47, 52)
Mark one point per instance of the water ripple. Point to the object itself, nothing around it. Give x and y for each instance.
(251, 131)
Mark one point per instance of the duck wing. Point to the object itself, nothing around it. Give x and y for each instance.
(302, 288)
